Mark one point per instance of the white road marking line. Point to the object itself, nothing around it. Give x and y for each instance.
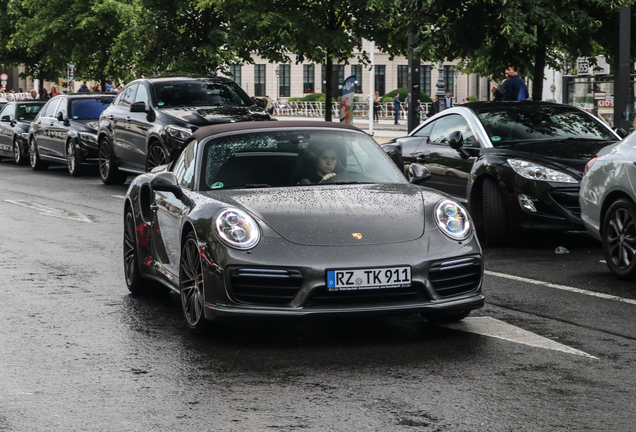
(50, 211)
(118, 196)
(562, 287)
(487, 326)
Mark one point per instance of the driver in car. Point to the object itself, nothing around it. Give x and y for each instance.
(326, 162)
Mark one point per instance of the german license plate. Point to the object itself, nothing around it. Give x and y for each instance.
(374, 278)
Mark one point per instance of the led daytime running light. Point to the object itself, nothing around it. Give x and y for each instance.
(237, 229)
(453, 220)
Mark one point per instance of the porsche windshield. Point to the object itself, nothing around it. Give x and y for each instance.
(510, 124)
(295, 158)
(199, 93)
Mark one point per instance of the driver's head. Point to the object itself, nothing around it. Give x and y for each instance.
(325, 156)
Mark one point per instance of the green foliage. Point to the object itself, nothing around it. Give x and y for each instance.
(403, 91)
(314, 97)
(473, 98)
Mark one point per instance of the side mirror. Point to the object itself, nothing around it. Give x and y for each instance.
(60, 116)
(5, 118)
(166, 182)
(138, 107)
(418, 174)
(620, 132)
(456, 141)
(260, 102)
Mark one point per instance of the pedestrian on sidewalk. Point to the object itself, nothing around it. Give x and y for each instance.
(515, 87)
(434, 107)
(448, 101)
(396, 107)
(376, 106)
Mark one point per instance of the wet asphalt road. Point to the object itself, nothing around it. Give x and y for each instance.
(78, 353)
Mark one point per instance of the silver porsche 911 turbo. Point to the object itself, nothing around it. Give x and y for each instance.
(297, 219)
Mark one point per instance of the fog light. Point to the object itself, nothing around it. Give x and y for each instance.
(526, 203)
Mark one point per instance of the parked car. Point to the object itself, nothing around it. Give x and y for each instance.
(608, 206)
(65, 132)
(15, 118)
(242, 224)
(515, 165)
(152, 118)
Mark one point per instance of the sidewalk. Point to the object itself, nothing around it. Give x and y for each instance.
(383, 130)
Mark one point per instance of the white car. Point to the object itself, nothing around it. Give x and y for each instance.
(608, 204)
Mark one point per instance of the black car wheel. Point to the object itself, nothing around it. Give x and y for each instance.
(191, 285)
(18, 155)
(619, 238)
(107, 169)
(134, 280)
(34, 157)
(156, 157)
(71, 160)
(495, 217)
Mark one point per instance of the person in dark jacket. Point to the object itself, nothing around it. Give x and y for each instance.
(396, 107)
(84, 88)
(434, 109)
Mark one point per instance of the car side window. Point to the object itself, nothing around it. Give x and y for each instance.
(51, 106)
(425, 131)
(183, 168)
(142, 94)
(61, 108)
(449, 124)
(129, 96)
(8, 110)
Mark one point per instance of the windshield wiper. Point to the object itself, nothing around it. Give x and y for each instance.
(257, 185)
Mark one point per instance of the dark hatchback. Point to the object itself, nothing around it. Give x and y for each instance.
(516, 165)
(15, 118)
(151, 119)
(65, 132)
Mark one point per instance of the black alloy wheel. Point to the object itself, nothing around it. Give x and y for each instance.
(156, 157)
(108, 171)
(71, 159)
(18, 155)
(34, 157)
(495, 216)
(134, 281)
(191, 286)
(618, 236)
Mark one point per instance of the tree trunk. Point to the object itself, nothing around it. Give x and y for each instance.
(328, 95)
(539, 66)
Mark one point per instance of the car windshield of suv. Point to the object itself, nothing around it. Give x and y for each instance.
(199, 93)
(510, 124)
(28, 112)
(295, 158)
(88, 109)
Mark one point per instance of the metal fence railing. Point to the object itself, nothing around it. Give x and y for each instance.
(360, 109)
(15, 96)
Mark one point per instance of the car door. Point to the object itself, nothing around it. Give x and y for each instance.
(138, 127)
(122, 145)
(449, 171)
(170, 211)
(411, 145)
(7, 115)
(58, 130)
(43, 125)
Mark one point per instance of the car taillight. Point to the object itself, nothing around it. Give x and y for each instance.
(589, 164)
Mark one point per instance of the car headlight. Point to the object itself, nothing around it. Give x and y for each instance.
(534, 171)
(237, 229)
(88, 137)
(452, 219)
(178, 132)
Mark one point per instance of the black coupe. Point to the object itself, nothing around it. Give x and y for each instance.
(305, 218)
(515, 165)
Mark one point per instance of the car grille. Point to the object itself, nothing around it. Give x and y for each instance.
(455, 277)
(568, 198)
(321, 297)
(264, 286)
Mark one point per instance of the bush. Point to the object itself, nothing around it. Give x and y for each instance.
(473, 98)
(403, 93)
(314, 97)
(292, 99)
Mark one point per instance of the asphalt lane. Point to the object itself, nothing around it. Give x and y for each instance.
(78, 353)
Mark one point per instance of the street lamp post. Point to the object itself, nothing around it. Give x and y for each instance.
(277, 83)
(441, 86)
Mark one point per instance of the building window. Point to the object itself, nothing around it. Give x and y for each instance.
(357, 71)
(380, 85)
(308, 79)
(259, 80)
(449, 79)
(403, 76)
(425, 79)
(340, 69)
(235, 73)
(283, 80)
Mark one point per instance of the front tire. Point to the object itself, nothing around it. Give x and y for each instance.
(18, 155)
(73, 165)
(134, 281)
(618, 236)
(495, 216)
(34, 157)
(108, 171)
(191, 286)
(157, 156)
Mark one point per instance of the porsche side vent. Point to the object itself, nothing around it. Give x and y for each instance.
(264, 286)
(568, 198)
(455, 277)
(320, 297)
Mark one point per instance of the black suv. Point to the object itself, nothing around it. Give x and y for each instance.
(151, 119)
(65, 131)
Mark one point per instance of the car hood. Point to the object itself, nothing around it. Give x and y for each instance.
(205, 116)
(570, 153)
(339, 214)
